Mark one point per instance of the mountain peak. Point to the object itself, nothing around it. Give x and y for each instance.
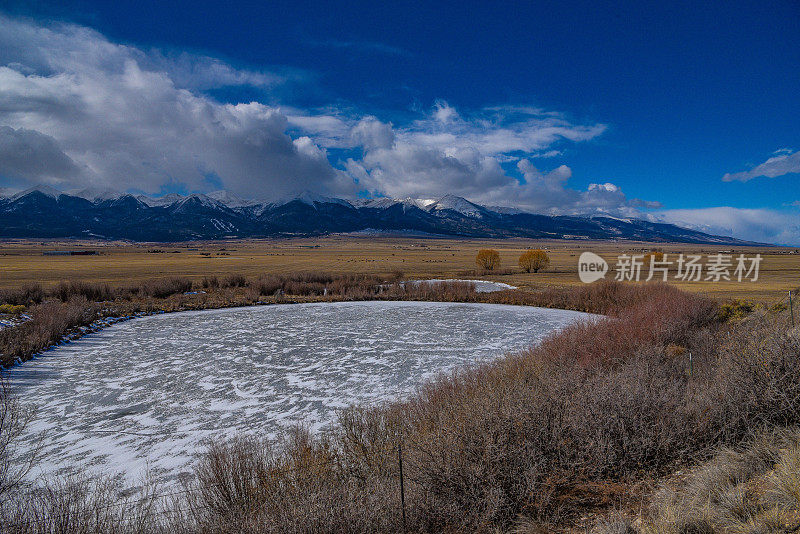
(230, 199)
(41, 188)
(96, 194)
(307, 197)
(165, 200)
(197, 198)
(458, 204)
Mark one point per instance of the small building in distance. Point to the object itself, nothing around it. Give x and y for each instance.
(69, 253)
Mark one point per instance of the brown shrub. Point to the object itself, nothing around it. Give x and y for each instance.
(318, 284)
(92, 291)
(267, 285)
(234, 280)
(165, 287)
(249, 486)
(28, 293)
(210, 282)
(438, 291)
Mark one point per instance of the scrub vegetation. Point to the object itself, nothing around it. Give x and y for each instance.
(579, 426)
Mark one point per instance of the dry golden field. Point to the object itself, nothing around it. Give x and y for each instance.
(23, 261)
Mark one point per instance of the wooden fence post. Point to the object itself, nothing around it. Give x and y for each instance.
(402, 488)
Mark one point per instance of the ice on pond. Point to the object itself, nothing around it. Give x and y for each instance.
(481, 286)
(143, 395)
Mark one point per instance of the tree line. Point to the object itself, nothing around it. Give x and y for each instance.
(533, 260)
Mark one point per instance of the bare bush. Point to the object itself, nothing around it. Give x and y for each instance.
(318, 285)
(247, 486)
(82, 505)
(92, 291)
(13, 420)
(210, 282)
(234, 280)
(25, 295)
(165, 287)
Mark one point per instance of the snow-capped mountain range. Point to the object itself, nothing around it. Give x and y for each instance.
(44, 212)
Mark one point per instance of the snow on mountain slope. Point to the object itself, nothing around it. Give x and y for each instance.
(95, 194)
(198, 199)
(165, 200)
(33, 213)
(232, 200)
(459, 205)
(44, 189)
(387, 202)
(311, 199)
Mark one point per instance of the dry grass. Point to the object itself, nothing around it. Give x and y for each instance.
(752, 488)
(22, 261)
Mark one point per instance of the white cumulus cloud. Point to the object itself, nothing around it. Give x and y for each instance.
(784, 161)
(125, 122)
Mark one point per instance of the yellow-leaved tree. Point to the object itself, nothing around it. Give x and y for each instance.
(488, 259)
(534, 260)
(655, 256)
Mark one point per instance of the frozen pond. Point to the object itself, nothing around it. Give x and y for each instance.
(142, 395)
(481, 286)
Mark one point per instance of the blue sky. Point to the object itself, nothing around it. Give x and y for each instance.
(686, 112)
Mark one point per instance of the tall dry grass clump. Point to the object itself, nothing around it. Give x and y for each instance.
(754, 487)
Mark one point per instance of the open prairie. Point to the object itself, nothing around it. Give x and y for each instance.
(24, 261)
